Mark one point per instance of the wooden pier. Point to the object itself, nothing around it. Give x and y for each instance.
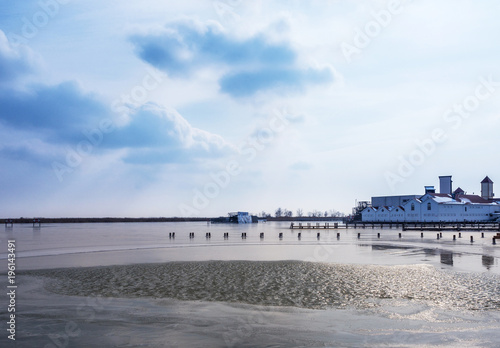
(336, 225)
(317, 225)
(405, 226)
(447, 226)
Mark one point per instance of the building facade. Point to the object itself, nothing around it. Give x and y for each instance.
(445, 206)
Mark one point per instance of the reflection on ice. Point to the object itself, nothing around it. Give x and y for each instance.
(447, 258)
(488, 261)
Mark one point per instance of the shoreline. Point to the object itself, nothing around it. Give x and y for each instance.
(37, 220)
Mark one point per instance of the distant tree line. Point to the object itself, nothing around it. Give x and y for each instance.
(283, 212)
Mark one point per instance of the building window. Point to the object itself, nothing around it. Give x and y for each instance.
(429, 206)
(413, 206)
(465, 208)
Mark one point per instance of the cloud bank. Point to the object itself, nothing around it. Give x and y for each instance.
(249, 65)
(64, 116)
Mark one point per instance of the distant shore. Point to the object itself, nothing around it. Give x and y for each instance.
(25, 220)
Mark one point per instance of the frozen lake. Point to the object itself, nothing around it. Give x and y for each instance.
(129, 284)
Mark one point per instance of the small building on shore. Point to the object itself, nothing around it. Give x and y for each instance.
(239, 217)
(445, 206)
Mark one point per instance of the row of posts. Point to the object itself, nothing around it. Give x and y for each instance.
(208, 235)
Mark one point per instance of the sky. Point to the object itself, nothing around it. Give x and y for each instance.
(199, 108)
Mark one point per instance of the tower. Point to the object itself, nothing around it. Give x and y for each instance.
(445, 184)
(487, 188)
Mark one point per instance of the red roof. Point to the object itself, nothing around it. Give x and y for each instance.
(472, 198)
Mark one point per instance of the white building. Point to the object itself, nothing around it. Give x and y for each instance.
(241, 217)
(445, 206)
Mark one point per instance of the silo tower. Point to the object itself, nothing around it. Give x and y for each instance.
(487, 188)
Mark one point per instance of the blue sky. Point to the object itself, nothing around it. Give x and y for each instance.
(197, 108)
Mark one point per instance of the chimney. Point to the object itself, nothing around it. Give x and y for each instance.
(487, 188)
(429, 189)
(445, 184)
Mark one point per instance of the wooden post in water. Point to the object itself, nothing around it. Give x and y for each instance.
(299, 235)
(317, 235)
